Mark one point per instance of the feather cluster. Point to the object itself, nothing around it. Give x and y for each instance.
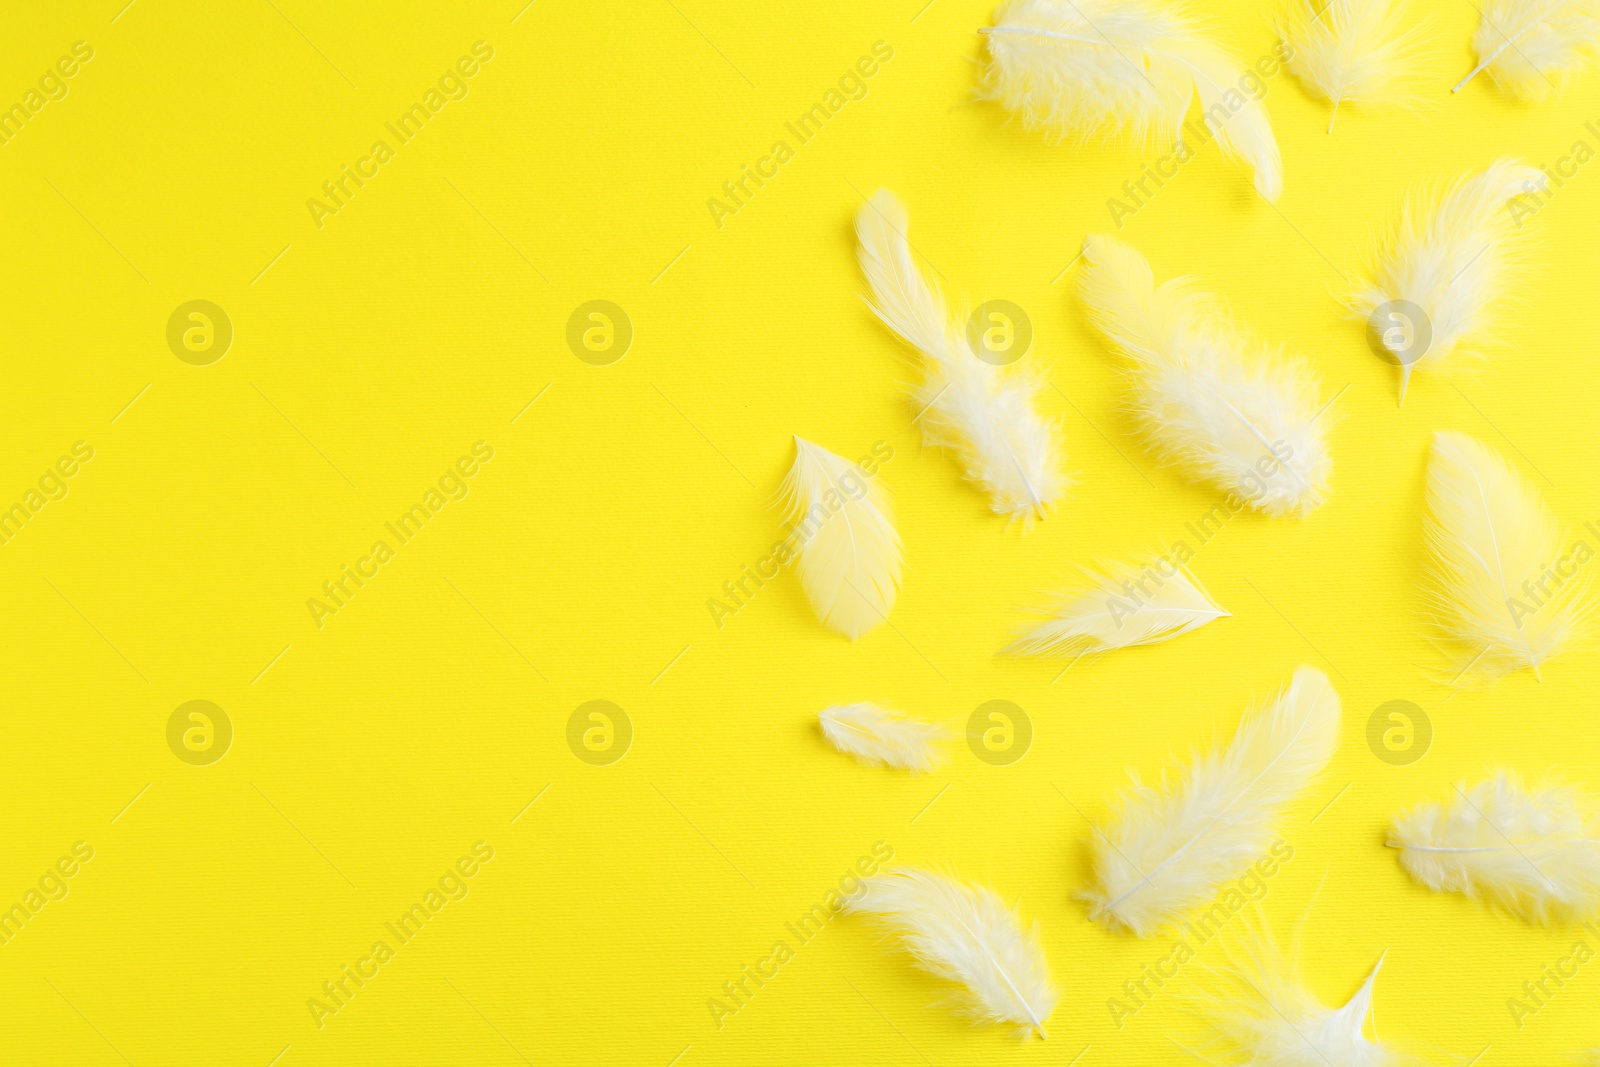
(1171, 849)
(1124, 605)
(1533, 48)
(983, 412)
(876, 735)
(1503, 585)
(1534, 852)
(967, 935)
(1088, 68)
(1359, 51)
(1211, 399)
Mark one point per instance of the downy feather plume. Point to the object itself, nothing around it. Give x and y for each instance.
(967, 935)
(1170, 849)
(849, 548)
(1359, 51)
(1497, 584)
(1125, 605)
(1536, 853)
(876, 735)
(1533, 48)
(1082, 69)
(983, 412)
(1210, 399)
(1448, 263)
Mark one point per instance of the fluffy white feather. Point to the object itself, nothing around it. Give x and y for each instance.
(1452, 259)
(1124, 605)
(1361, 51)
(1532, 48)
(1086, 68)
(877, 735)
(1536, 853)
(1170, 849)
(1499, 588)
(1210, 399)
(967, 935)
(849, 549)
(983, 412)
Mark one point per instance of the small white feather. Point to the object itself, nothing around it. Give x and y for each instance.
(1535, 853)
(850, 553)
(1533, 48)
(1448, 262)
(1210, 399)
(1126, 604)
(1496, 589)
(983, 412)
(967, 935)
(1170, 849)
(877, 735)
(1359, 51)
(1082, 69)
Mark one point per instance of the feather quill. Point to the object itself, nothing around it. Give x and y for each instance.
(1083, 69)
(1496, 582)
(1125, 605)
(1533, 48)
(1170, 849)
(1534, 852)
(1211, 399)
(850, 552)
(982, 412)
(967, 935)
(1355, 50)
(876, 735)
(1449, 261)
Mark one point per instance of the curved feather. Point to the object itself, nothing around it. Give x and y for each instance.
(1267, 1014)
(1533, 48)
(1355, 50)
(850, 553)
(1125, 605)
(1171, 849)
(1082, 69)
(1212, 400)
(983, 412)
(967, 935)
(876, 735)
(1494, 581)
(1535, 853)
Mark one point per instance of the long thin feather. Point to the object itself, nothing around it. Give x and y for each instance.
(967, 935)
(1171, 849)
(1534, 48)
(1210, 399)
(1124, 605)
(1534, 852)
(1504, 587)
(1360, 51)
(850, 554)
(876, 735)
(983, 412)
(1447, 264)
(1089, 68)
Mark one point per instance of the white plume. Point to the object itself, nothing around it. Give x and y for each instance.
(1211, 399)
(1535, 853)
(1447, 264)
(967, 935)
(849, 550)
(876, 735)
(1356, 50)
(1170, 849)
(1532, 48)
(1126, 604)
(983, 412)
(1503, 585)
(1086, 68)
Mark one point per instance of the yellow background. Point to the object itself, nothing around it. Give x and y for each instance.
(370, 353)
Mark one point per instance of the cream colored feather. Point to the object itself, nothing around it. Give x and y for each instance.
(849, 548)
(1448, 261)
(1082, 69)
(1532, 48)
(1210, 399)
(1125, 605)
(1505, 588)
(1535, 853)
(983, 412)
(1170, 849)
(876, 735)
(967, 935)
(1361, 51)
